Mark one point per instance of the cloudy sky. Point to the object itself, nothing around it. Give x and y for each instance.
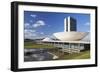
(44, 24)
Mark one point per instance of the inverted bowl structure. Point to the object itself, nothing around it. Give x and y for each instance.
(70, 36)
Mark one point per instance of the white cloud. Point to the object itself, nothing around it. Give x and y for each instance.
(33, 15)
(30, 30)
(39, 23)
(87, 24)
(35, 25)
(42, 33)
(29, 33)
(27, 25)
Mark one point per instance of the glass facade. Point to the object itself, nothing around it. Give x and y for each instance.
(73, 26)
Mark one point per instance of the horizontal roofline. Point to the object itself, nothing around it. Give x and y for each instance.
(52, 41)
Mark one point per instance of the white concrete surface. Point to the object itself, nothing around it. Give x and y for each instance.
(70, 36)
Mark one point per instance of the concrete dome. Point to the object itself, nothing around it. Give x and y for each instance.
(70, 36)
(47, 39)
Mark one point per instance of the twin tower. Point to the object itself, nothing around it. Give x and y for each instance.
(70, 24)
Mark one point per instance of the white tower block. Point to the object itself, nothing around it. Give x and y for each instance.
(67, 24)
(70, 24)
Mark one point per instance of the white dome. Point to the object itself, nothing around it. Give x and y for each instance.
(86, 38)
(47, 39)
(70, 36)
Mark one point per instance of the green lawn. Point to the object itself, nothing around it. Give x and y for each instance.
(36, 46)
(81, 55)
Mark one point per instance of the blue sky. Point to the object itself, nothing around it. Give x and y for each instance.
(44, 24)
